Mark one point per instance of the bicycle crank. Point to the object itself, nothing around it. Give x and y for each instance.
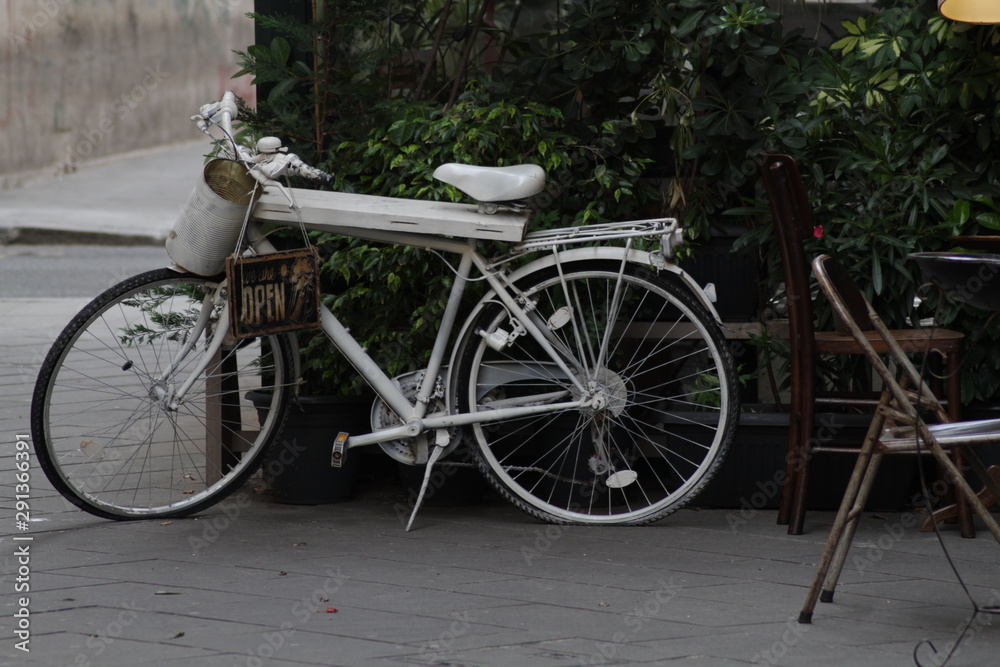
(410, 451)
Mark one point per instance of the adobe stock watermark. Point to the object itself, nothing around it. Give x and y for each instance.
(436, 651)
(608, 652)
(98, 643)
(442, 472)
(984, 278)
(285, 454)
(966, 632)
(826, 431)
(894, 531)
(301, 611)
(121, 108)
(30, 25)
(774, 653)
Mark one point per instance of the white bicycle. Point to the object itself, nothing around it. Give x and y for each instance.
(592, 382)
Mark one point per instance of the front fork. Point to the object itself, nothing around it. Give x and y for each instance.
(164, 390)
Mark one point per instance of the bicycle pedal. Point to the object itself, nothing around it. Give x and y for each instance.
(339, 451)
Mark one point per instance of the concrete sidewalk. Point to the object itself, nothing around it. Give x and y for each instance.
(133, 197)
(252, 582)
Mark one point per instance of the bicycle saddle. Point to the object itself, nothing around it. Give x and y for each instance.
(493, 184)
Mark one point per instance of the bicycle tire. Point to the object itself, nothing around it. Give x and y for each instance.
(664, 397)
(108, 431)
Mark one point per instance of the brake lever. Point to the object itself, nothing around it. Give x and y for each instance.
(274, 160)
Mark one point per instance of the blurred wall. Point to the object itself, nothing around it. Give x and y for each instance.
(85, 79)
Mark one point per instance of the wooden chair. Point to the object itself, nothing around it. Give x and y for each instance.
(793, 224)
(897, 426)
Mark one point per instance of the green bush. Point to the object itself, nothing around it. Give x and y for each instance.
(705, 86)
(389, 144)
(393, 297)
(897, 150)
(894, 126)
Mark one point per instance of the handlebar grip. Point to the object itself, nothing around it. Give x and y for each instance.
(229, 104)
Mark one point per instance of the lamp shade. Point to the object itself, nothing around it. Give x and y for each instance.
(971, 11)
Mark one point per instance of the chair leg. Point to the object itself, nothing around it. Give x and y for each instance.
(797, 517)
(951, 511)
(840, 557)
(791, 456)
(851, 507)
(844, 525)
(801, 420)
(960, 508)
(965, 525)
(953, 374)
(800, 468)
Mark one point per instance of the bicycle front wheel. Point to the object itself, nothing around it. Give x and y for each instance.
(655, 376)
(112, 430)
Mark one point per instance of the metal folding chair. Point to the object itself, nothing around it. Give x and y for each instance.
(898, 426)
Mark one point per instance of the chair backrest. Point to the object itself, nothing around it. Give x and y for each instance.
(787, 196)
(792, 217)
(858, 316)
(792, 225)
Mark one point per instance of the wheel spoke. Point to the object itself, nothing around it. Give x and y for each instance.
(658, 414)
(108, 433)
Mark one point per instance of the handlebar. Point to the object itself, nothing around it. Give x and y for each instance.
(228, 105)
(269, 159)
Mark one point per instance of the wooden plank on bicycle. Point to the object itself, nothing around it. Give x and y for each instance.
(274, 292)
(325, 210)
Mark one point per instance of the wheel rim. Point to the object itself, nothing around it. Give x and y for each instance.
(623, 458)
(116, 436)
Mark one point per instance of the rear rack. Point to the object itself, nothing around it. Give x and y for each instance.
(547, 239)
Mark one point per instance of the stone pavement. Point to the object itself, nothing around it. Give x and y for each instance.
(252, 582)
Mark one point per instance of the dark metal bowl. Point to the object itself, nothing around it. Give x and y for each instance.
(970, 278)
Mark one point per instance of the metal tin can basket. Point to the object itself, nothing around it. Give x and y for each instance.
(209, 226)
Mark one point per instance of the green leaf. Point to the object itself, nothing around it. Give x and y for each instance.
(689, 24)
(281, 89)
(281, 50)
(878, 281)
(989, 220)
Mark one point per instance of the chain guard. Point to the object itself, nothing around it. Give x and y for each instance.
(411, 451)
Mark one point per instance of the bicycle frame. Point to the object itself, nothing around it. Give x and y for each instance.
(414, 414)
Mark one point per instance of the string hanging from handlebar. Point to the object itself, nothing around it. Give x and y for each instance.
(294, 207)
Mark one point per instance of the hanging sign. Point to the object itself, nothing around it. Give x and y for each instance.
(273, 292)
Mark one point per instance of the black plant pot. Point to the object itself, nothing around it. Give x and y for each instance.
(297, 467)
(754, 471)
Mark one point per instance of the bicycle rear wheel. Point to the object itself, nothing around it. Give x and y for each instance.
(110, 431)
(657, 376)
